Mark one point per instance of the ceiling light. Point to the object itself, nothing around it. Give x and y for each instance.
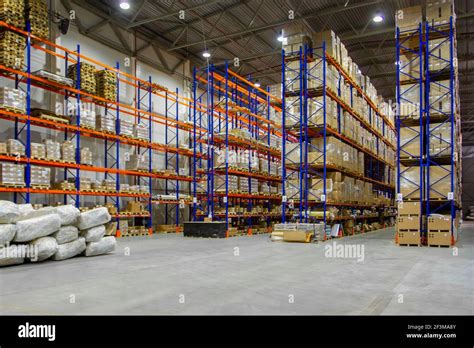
(281, 38)
(257, 84)
(124, 5)
(206, 54)
(378, 18)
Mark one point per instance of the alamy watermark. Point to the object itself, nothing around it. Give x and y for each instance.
(345, 251)
(15, 251)
(237, 157)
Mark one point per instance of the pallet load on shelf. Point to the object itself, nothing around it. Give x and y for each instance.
(12, 174)
(87, 72)
(15, 148)
(12, 99)
(68, 152)
(301, 232)
(137, 162)
(440, 233)
(38, 151)
(106, 84)
(86, 156)
(38, 16)
(53, 149)
(12, 50)
(13, 12)
(106, 123)
(40, 177)
(141, 131)
(59, 79)
(57, 233)
(126, 128)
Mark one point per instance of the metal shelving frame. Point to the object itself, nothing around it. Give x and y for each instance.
(413, 121)
(303, 129)
(142, 112)
(448, 201)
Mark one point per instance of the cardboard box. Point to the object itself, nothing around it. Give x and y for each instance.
(111, 228)
(408, 223)
(439, 223)
(439, 12)
(440, 54)
(408, 18)
(409, 67)
(409, 208)
(410, 101)
(135, 207)
(123, 227)
(297, 236)
(439, 238)
(409, 237)
(440, 98)
(440, 139)
(332, 46)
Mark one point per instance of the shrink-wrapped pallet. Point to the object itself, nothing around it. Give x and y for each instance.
(12, 174)
(40, 176)
(68, 151)
(53, 149)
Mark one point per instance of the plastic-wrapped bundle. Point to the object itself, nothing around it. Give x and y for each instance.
(103, 246)
(7, 233)
(53, 149)
(41, 176)
(109, 184)
(106, 123)
(66, 234)
(9, 256)
(93, 234)
(141, 131)
(12, 174)
(71, 249)
(68, 214)
(47, 247)
(92, 218)
(37, 227)
(137, 162)
(87, 118)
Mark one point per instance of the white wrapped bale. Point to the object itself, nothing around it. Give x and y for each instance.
(92, 218)
(47, 247)
(30, 214)
(66, 234)
(7, 233)
(68, 214)
(25, 208)
(9, 256)
(28, 230)
(104, 246)
(93, 234)
(9, 212)
(71, 249)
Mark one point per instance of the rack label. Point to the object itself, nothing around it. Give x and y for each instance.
(225, 199)
(292, 204)
(283, 199)
(323, 198)
(181, 203)
(450, 196)
(400, 197)
(195, 200)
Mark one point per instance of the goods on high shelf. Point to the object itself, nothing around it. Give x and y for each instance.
(40, 177)
(38, 151)
(53, 149)
(38, 17)
(13, 12)
(15, 148)
(106, 84)
(68, 152)
(106, 123)
(3, 148)
(109, 185)
(126, 128)
(87, 71)
(86, 156)
(54, 77)
(11, 98)
(12, 174)
(141, 131)
(87, 118)
(64, 186)
(137, 162)
(85, 184)
(12, 50)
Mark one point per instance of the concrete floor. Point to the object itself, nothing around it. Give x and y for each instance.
(163, 270)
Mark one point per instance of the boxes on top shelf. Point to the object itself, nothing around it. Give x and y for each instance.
(409, 18)
(439, 12)
(13, 12)
(38, 17)
(332, 44)
(439, 54)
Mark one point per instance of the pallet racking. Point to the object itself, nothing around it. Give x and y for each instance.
(304, 81)
(141, 114)
(234, 105)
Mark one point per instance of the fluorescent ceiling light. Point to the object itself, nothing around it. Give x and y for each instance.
(206, 54)
(124, 5)
(257, 84)
(378, 18)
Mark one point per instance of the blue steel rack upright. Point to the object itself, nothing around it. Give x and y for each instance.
(446, 157)
(410, 117)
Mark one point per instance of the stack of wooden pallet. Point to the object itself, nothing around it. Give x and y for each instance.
(87, 77)
(12, 50)
(12, 12)
(38, 16)
(106, 84)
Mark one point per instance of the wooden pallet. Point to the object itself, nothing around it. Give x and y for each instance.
(413, 245)
(438, 246)
(8, 185)
(54, 118)
(11, 109)
(40, 187)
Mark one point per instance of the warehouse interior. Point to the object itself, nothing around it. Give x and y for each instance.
(236, 157)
